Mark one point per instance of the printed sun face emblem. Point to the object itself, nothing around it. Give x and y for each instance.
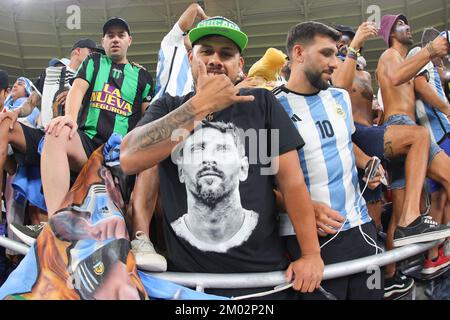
(99, 268)
(340, 111)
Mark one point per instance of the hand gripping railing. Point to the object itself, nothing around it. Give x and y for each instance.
(202, 281)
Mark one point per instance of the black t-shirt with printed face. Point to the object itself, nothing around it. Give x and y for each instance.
(256, 246)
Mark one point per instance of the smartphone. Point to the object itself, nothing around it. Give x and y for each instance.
(446, 34)
(374, 164)
(370, 174)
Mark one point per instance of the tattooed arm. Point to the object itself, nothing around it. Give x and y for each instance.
(151, 143)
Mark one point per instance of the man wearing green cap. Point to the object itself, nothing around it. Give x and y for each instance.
(209, 174)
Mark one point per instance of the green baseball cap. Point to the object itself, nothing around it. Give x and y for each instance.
(219, 26)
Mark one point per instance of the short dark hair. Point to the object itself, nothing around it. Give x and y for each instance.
(305, 32)
(428, 35)
(223, 127)
(3, 80)
(230, 128)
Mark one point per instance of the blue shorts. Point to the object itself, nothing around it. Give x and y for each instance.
(371, 141)
(445, 145)
(397, 165)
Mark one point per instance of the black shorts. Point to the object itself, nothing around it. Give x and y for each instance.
(370, 139)
(348, 245)
(31, 157)
(89, 145)
(33, 137)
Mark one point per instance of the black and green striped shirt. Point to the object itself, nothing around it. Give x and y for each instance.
(114, 98)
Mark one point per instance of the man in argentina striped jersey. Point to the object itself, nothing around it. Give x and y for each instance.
(323, 116)
(173, 74)
(432, 111)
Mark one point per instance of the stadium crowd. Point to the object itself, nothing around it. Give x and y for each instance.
(340, 172)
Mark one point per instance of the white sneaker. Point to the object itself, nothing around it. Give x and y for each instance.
(27, 234)
(145, 254)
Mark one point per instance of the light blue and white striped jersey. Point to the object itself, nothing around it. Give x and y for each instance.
(431, 118)
(173, 72)
(325, 122)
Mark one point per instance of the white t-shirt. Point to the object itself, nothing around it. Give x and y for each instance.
(51, 86)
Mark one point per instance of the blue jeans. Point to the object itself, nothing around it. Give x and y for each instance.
(445, 145)
(397, 165)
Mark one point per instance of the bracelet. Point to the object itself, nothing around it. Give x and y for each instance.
(351, 55)
(353, 50)
(431, 50)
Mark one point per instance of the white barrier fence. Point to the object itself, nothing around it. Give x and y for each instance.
(201, 281)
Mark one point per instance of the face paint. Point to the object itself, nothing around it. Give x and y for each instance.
(403, 33)
(401, 28)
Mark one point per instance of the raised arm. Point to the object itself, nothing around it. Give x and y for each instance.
(343, 76)
(187, 19)
(400, 72)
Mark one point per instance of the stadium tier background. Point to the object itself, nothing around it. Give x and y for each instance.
(34, 31)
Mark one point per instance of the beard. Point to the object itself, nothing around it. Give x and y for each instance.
(315, 78)
(211, 190)
(407, 41)
(401, 33)
(211, 196)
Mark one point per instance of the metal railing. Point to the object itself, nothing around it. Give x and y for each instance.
(13, 245)
(202, 281)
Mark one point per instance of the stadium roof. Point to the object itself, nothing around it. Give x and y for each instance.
(34, 31)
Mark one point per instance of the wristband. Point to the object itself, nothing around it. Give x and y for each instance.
(351, 55)
(353, 50)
